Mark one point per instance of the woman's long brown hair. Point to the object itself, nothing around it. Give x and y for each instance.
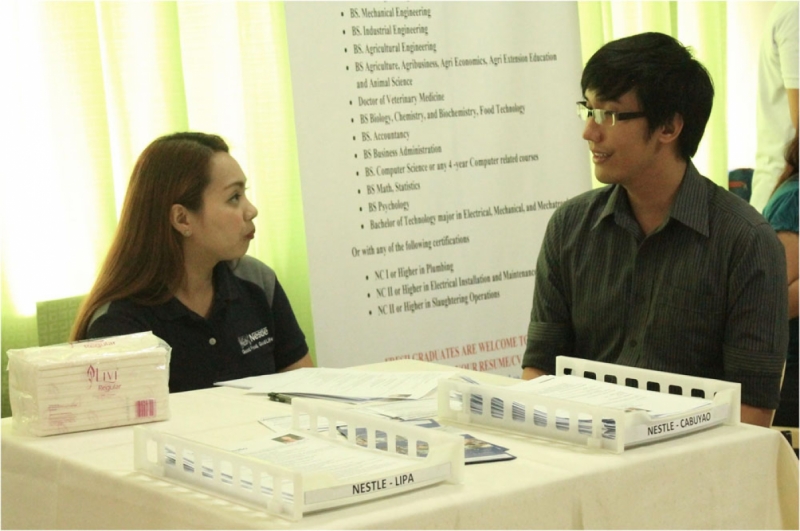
(791, 157)
(145, 260)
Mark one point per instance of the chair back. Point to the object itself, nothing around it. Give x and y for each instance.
(740, 182)
(54, 319)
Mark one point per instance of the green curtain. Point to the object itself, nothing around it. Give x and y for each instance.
(92, 83)
(702, 26)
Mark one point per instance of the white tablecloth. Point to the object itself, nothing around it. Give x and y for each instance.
(740, 477)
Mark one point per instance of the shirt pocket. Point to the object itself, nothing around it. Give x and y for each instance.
(688, 330)
(698, 300)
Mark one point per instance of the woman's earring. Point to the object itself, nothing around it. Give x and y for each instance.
(187, 233)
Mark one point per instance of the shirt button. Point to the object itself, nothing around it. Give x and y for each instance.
(633, 343)
(212, 341)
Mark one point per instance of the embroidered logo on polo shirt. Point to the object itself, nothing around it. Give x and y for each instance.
(253, 340)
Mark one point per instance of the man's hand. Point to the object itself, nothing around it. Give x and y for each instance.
(529, 373)
(757, 415)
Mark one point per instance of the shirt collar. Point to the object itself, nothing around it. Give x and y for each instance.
(611, 204)
(691, 202)
(224, 291)
(689, 208)
(224, 281)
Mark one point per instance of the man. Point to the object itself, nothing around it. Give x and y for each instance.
(661, 269)
(776, 106)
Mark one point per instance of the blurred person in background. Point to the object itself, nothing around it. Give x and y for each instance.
(782, 213)
(776, 104)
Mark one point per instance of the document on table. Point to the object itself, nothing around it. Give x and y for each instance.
(353, 470)
(311, 454)
(422, 408)
(475, 450)
(283, 423)
(345, 384)
(611, 395)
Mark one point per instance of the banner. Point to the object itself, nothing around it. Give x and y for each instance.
(435, 141)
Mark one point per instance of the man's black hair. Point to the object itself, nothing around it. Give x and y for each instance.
(665, 77)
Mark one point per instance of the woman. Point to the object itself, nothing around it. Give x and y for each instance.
(782, 213)
(177, 266)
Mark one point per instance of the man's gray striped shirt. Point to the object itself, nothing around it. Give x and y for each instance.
(705, 294)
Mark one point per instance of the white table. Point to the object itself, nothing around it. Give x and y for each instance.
(726, 477)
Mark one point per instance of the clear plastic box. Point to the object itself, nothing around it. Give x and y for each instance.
(589, 425)
(289, 493)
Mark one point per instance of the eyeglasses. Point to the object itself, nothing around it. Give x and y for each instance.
(603, 117)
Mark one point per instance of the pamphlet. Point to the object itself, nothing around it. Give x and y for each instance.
(328, 383)
(475, 450)
(348, 465)
(662, 414)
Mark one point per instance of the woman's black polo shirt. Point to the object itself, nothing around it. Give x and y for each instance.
(251, 331)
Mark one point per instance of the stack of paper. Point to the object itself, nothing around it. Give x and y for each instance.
(689, 412)
(316, 471)
(610, 395)
(343, 384)
(475, 450)
(89, 384)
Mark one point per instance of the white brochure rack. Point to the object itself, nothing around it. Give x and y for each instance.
(606, 428)
(289, 493)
